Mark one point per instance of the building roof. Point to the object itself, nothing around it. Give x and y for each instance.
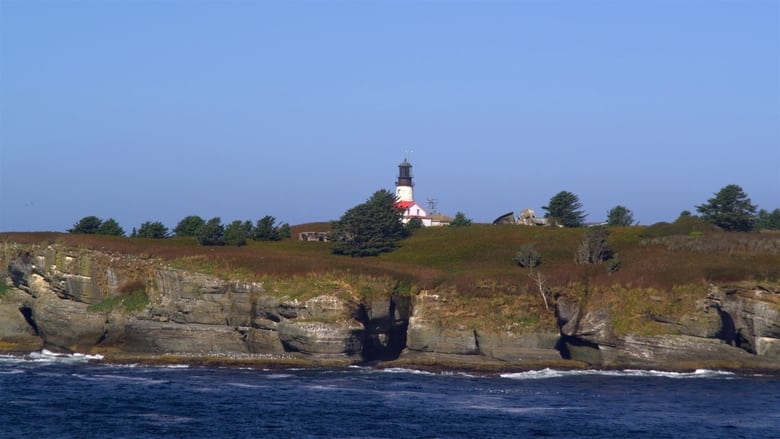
(403, 205)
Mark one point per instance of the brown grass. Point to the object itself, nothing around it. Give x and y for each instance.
(465, 257)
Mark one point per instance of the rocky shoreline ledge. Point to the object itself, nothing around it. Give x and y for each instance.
(77, 300)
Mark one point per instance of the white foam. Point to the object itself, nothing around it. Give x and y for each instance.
(552, 373)
(405, 370)
(48, 356)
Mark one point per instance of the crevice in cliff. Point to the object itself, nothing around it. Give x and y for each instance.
(385, 338)
(27, 314)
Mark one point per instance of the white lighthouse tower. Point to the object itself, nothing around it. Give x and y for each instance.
(404, 188)
(404, 196)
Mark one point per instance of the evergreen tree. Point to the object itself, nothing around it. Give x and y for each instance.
(460, 220)
(235, 233)
(265, 230)
(620, 216)
(155, 230)
(566, 209)
(730, 209)
(189, 226)
(370, 228)
(211, 233)
(768, 220)
(110, 227)
(88, 225)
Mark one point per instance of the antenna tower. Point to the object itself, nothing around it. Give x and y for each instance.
(432, 202)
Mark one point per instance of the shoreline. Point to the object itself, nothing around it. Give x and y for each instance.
(433, 365)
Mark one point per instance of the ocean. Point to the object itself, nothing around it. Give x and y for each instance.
(44, 395)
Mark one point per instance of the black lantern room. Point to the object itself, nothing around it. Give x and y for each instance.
(404, 174)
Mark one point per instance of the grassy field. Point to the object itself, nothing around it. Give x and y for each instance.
(477, 260)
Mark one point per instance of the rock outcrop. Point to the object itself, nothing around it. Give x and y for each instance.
(72, 299)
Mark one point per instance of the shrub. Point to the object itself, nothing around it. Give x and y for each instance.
(593, 248)
(528, 257)
(460, 220)
(414, 224)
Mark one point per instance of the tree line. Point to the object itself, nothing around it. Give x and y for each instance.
(730, 209)
(376, 226)
(211, 232)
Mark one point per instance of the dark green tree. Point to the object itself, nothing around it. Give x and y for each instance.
(566, 209)
(110, 227)
(189, 226)
(460, 220)
(370, 228)
(265, 230)
(414, 224)
(211, 233)
(730, 209)
(284, 231)
(88, 224)
(152, 229)
(235, 233)
(768, 220)
(620, 216)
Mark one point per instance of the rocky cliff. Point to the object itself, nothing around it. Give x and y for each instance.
(131, 307)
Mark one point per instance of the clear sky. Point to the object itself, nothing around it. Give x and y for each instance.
(155, 110)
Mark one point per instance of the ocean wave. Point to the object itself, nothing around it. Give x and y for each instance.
(552, 373)
(47, 356)
(406, 370)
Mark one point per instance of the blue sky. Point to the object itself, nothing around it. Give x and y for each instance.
(155, 110)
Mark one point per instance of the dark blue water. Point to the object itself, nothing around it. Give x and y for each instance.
(48, 397)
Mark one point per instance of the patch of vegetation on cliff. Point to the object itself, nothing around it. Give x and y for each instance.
(132, 298)
(343, 285)
(128, 303)
(643, 311)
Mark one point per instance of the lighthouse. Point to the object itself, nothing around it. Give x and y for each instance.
(404, 188)
(404, 196)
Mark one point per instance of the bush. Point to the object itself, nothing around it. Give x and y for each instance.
(460, 220)
(684, 225)
(528, 257)
(414, 224)
(110, 227)
(593, 248)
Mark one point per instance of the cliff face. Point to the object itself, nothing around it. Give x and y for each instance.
(79, 300)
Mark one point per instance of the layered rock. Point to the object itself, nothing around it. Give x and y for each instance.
(59, 295)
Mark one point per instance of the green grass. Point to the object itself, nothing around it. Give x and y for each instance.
(129, 303)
